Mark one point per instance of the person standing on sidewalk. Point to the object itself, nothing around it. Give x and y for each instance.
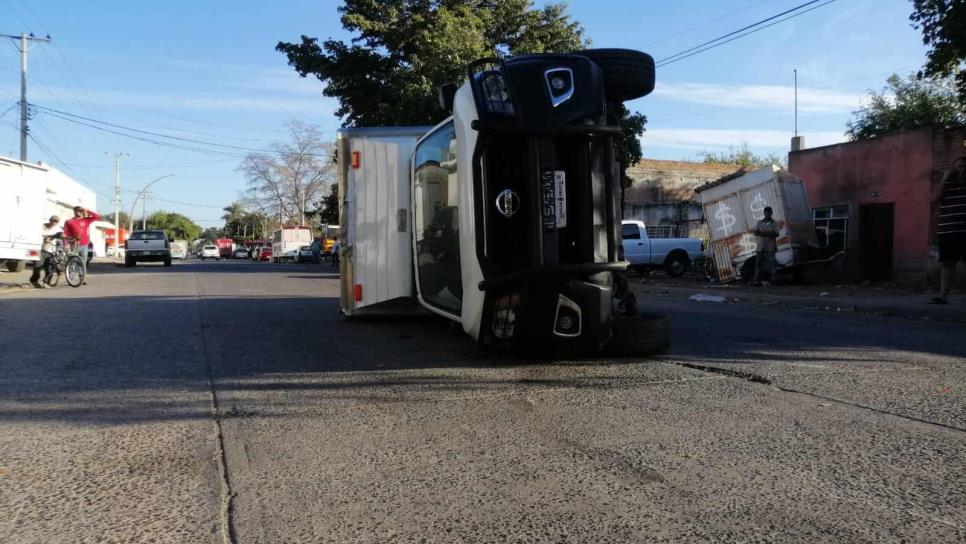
(51, 229)
(767, 233)
(316, 251)
(951, 227)
(79, 228)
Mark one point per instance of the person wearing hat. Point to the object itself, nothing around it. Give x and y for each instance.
(51, 229)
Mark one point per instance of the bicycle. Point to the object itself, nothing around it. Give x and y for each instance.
(66, 262)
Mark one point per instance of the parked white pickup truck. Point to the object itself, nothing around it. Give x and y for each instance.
(645, 253)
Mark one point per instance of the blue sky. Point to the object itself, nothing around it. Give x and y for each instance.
(207, 70)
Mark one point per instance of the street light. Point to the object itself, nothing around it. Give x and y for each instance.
(139, 195)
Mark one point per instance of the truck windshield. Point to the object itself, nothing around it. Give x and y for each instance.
(437, 221)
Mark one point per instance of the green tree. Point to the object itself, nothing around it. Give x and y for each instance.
(328, 211)
(174, 225)
(211, 234)
(906, 104)
(124, 222)
(744, 157)
(943, 25)
(404, 50)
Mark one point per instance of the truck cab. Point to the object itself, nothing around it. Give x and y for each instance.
(513, 211)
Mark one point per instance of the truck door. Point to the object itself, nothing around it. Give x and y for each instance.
(635, 247)
(436, 223)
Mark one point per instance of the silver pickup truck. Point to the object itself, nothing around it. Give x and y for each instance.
(645, 253)
(147, 245)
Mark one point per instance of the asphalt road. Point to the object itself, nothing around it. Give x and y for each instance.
(229, 402)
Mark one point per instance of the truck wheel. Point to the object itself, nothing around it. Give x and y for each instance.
(167, 262)
(646, 334)
(628, 74)
(16, 266)
(129, 263)
(676, 265)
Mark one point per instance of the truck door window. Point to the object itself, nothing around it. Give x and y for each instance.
(630, 232)
(436, 221)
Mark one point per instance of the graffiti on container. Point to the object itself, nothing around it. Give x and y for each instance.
(725, 219)
(748, 244)
(758, 207)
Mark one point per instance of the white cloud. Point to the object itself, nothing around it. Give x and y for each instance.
(722, 139)
(759, 97)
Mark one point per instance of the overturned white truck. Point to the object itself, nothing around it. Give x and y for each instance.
(504, 218)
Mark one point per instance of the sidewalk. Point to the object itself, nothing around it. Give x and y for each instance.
(868, 299)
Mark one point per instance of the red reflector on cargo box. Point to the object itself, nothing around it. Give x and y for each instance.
(356, 159)
(357, 292)
(33, 253)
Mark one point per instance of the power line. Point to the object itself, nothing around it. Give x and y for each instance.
(742, 32)
(697, 26)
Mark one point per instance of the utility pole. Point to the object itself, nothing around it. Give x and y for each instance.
(144, 210)
(117, 203)
(24, 39)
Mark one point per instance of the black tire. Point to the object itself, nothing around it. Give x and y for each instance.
(646, 334)
(54, 279)
(676, 265)
(16, 266)
(628, 74)
(167, 262)
(129, 263)
(74, 271)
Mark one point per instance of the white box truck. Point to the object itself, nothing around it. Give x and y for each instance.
(505, 217)
(23, 196)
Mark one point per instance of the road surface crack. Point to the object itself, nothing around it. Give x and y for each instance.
(757, 378)
(226, 509)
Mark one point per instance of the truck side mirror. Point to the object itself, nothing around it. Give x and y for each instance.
(446, 95)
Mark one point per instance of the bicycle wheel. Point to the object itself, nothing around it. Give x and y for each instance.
(75, 271)
(54, 279)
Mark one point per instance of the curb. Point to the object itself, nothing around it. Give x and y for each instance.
(956, 313)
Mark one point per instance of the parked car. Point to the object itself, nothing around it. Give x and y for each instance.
(645, 253)
(305, 254)
(265, 254)
(147, 245)
(210, 252)
(241, 253)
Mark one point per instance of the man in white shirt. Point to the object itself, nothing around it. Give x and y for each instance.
(767, 233)
(51, 229)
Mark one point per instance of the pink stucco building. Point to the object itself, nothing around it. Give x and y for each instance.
(873, 198)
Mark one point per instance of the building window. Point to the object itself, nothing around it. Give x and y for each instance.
(831, 227)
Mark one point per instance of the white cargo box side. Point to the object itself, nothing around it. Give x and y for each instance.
(23, 188)
(733, 208)
(374, 186)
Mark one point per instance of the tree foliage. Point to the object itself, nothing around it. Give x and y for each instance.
(174, 225)
(404, 50)
(742, 156)
(283, 182)
(327, 212)
(906, 104)
(125, 218)
(943, 25)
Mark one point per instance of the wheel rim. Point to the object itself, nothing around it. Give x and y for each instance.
(75, 273)
(677, 267)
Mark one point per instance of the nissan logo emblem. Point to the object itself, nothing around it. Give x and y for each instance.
(507, 203)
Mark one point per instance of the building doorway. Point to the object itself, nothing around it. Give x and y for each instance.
(876, 228)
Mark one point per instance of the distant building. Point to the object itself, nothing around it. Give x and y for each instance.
(873, 199)
(662, 195)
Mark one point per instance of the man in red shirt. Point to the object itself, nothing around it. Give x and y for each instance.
(79, 228)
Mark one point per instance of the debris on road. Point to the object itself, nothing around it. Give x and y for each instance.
(702, 297)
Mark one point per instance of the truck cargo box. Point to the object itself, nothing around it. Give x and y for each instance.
(733, 207)
(376, 252)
